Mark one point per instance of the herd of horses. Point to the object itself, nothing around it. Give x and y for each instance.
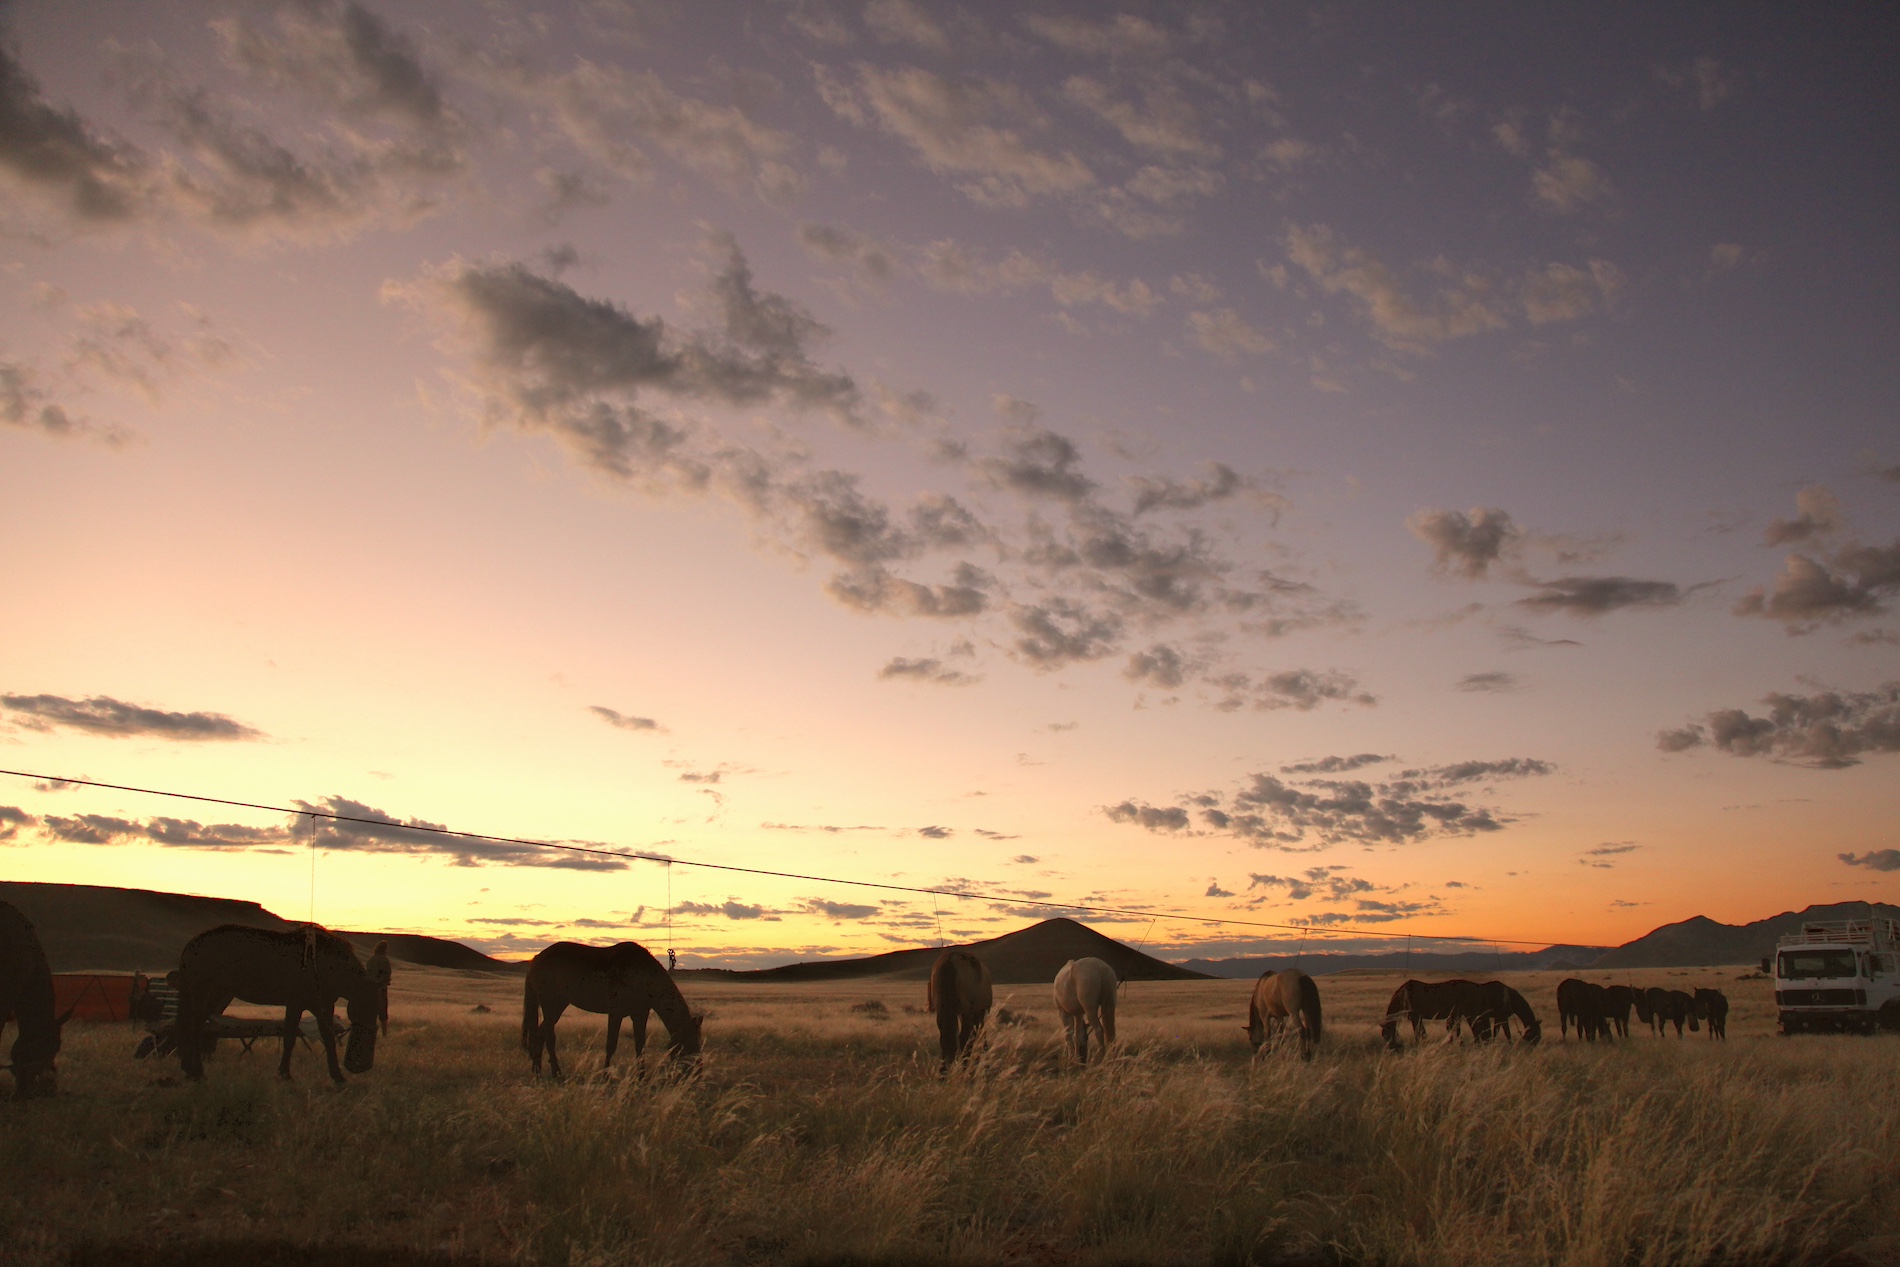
(308, 969)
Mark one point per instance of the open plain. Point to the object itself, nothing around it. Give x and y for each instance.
(817, 1130)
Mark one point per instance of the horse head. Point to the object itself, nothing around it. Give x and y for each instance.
(35, 1076)
(360, 1054)
(686, 1043)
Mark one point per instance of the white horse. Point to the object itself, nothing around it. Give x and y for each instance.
(1085, 995)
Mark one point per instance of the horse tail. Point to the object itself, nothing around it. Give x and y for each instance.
(530, 1018)
(1309, 1005)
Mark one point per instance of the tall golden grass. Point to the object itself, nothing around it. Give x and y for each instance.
(813, 1132)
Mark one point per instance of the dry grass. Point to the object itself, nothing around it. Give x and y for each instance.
(819, 1133)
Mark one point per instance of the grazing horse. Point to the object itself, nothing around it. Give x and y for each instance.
(1712, 1006)
(1279, 997)
(1617, 1001)
(305, 969)
(1586, 1005)
(1085, 995)
(1488, 1007)
(960, 994)
(1666, 1007)
(622, 980)
(26, 997)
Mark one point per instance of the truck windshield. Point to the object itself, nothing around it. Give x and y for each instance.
(1797, 964)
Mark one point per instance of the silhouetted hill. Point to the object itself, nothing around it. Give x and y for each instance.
(1025, 956)
(96, 928)
(1703, 942)
(1471, 963)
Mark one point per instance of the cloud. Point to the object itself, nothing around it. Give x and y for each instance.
(1039, 463)
(1711, 82)
(1563, 292)
(839, 910)
(1829, 730)
(905, 22)
(13, 819)
(25, 404)
(1154, 818)
(731, 908)
(1874, 859)
(935, 833)
(1518, 638)
(1818, 514)
(1466, 543)
(1124, 35)
(1596, 595)
(612, 115)
(103, 715)
(872, 263)
(1025, 859)
(1299, 689)
(1226, 334)
(1268, 812)
(1060, 632)
(1215, 890)
(926, 669)
(1335, 765)
(1598, 857)
(344, 56)
(621, 721)
(962, 127)
(1160, 665)
(1164, 123)
(1567, 183)
(54, 154)
(1464, 303)
(1493, 682)
(1855, 580)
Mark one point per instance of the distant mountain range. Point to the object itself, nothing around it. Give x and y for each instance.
(97, 928)
(94, 928)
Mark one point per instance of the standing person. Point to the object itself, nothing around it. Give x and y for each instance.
(672, 960)
(380, 971)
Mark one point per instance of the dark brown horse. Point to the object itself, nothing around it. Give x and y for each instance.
(1584, 1004)
(1617, 1001)
(960, 994)
(1279, 997)
(623, 980)
(1488, 1007)
(305, 969)
(1712, 1007)
(1662, 1008)
(26, 998)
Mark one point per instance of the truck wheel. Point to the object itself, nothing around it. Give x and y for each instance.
(1890, 1016)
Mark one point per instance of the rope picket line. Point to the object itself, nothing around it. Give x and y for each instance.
(669, 862)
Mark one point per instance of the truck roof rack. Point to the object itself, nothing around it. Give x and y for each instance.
(1880, 933)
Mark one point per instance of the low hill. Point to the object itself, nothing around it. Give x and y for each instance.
(1023, 957)
(1701, 941)
(1466, 963)
(96, 928)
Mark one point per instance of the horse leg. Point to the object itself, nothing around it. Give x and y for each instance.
(639, 1022)
(326, 1030)
(293, 1017)
(1108, 1023)
(613, 1039)
(188, 1035)
(1078, 1035)
(550, 1013)
(948, 1038)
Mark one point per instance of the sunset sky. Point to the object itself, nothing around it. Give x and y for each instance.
(1411, 472)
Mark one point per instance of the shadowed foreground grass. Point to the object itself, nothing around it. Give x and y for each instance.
(838, 1143)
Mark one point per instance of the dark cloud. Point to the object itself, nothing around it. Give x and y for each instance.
(12, 819)
(829, 828)
(1599, 857)
(1025, 859)
(1269, 812)
(57, 154)
(1215, 890)
(925, 670)
(936, 833)
(731, 908)
(1163, 493)
(1595, 595)
(103, 715)
(1493, 682)
(1152, 817)
(1160, 665)
(839, 910)
(1335, 765)
(1875, 860)
(1518, 638)
(1856, 580)
(28, 406)
(622, 721)
(89, 829)
(1466, 543)
(1061, 632)
(1828, 730)
(703, 776)
(365, 828)
(1300, 689)
(1037, 462)
(345, 56)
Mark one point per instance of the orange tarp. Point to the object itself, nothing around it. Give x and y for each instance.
(93, 997)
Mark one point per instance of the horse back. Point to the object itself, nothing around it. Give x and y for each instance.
(613, 978)
(271, 966)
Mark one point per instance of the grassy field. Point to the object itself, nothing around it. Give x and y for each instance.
(817, 1130)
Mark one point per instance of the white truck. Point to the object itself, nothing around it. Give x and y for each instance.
(1838, 975)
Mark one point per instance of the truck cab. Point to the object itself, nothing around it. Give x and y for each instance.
(1842, 975)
